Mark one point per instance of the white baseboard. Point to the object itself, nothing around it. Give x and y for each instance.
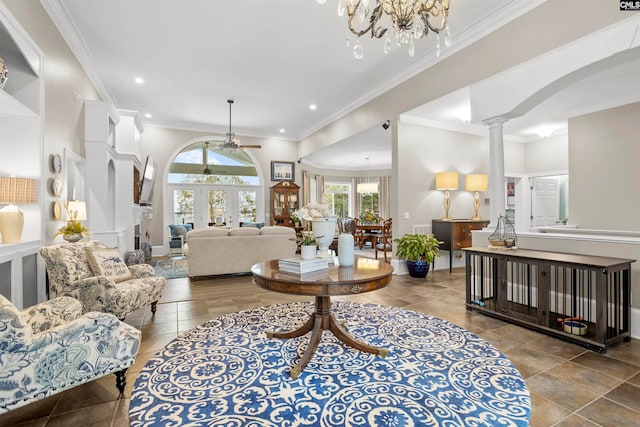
(635, 323)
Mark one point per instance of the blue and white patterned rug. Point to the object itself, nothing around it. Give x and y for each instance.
(226, 372)
(172, 268)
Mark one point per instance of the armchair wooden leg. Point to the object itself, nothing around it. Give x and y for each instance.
(154, 306)
(121, 382)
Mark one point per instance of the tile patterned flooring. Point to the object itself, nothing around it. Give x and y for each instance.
(569, 385)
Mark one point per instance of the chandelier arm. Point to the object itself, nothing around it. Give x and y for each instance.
(373, 19)
(434, 11)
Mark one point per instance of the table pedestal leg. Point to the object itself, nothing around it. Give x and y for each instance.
(320, 321)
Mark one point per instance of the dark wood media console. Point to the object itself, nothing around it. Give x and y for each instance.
(580, 298)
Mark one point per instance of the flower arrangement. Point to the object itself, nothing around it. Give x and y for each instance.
(313, 210)
(73, 225)
(294, 218)
(369, 217)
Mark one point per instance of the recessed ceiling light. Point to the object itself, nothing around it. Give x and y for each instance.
(313, 107)
(281, 130)
(148, 116)
(139, 80)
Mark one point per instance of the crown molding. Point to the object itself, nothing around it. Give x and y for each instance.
(69, 31)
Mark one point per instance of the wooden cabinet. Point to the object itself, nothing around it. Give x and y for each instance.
(285, 198)
(580, 298)
(455, 234)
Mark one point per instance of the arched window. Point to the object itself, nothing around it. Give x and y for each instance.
(206, 162)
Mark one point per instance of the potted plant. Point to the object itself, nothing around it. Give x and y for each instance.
(295, 219)
(419, 250)
(73, 230)
(307, 243)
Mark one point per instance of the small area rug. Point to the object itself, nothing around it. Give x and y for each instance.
(226, 372)
(171, 268)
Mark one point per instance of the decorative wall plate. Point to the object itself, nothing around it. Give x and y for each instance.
(56, 163)
(56, 209)
(57, 186)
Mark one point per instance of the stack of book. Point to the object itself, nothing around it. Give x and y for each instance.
(302, 266)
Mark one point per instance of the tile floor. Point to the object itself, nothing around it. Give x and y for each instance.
(569, 385)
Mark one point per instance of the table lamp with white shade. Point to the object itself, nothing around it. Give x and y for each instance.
(477, 183)
(13, 191)
(447, 181)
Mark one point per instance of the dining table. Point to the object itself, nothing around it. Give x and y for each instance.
(368, 232)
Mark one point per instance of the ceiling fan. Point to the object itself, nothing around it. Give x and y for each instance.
(230, 143)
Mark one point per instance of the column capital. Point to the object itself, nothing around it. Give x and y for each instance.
(495, 121)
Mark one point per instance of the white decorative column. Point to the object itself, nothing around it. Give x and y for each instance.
(496, 169)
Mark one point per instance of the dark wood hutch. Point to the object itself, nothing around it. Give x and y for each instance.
(285, 198)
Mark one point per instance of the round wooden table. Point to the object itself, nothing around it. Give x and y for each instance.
(365, 275)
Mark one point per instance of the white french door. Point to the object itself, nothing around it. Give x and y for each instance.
(202, 203)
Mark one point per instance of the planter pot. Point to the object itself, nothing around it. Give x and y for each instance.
(324, 229)
(418, 269)
(72, 238)
(308, 251)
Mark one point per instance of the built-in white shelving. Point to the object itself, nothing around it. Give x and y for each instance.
(21, 147)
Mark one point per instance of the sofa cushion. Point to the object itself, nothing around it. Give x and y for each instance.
(276, 229)
(244, 231)
(107, 262)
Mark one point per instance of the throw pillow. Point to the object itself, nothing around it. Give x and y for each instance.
(178, 230)
(107, 262)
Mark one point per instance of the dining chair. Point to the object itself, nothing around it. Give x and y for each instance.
(362, 236)
(385, 239)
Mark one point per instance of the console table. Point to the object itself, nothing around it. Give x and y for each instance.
(580, 298)
(455, 234)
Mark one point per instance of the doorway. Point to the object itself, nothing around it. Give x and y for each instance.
(549, 201)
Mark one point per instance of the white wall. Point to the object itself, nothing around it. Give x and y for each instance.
(547, 155)
(604, 152)
(424, 151)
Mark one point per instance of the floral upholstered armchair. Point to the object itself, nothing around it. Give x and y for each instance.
(97, 277)
(51, 347)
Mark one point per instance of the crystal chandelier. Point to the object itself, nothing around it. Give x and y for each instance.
(410, 20)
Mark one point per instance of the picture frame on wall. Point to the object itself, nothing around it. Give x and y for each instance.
(282, 171)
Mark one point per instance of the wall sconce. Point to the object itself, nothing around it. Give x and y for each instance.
(15, 190)
(476, 182)
(447, 181)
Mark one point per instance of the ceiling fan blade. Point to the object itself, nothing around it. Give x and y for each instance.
(250, 146)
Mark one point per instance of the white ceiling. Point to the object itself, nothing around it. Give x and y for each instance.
(274, 58)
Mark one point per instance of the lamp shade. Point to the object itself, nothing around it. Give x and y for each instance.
(476, 182)
(77, 210)
(447, 181)
(218, 212)
(367, 187)
(15, 190)
(18, 190)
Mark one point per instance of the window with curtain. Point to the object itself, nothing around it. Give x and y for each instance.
(337, 198)
(369, 202)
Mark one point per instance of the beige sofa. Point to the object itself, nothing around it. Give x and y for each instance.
(217, 250)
